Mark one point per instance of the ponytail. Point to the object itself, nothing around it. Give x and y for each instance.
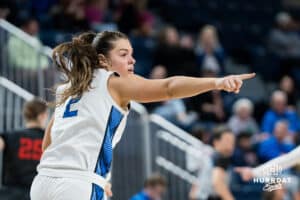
(77, 60)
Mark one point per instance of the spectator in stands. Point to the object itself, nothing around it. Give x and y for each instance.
(186, 43)
(21, 54)
(209, 106)
(127, 15)
(284, 42)
(69, 16)
(244, 153)
(4, 9)
(96, 12)
(24, 59)
(279, 111)
(287, 85)
(242, 120)
(213, 183)
(173, 110)
(276, 145)
(209, 51)
(170, 54)
(154, 188)
(8, 10)
(22, 150)
(142, 40)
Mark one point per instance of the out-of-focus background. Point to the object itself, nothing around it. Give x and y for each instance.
(173, 37)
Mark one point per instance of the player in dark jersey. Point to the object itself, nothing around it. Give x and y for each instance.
(22, 151)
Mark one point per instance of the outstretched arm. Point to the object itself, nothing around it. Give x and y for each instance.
(47, 135)
(133, 87)
(285, 161)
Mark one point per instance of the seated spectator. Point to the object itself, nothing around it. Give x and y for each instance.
(212, 184)
(209, 51)
(18, 50)
(154, 188)
(5, 9)
(172, 110)
(127, 15)
(96, 12)
(22, 150)
(25, 61)
(284, 42)
(209, 106)
(143, 42)
(170, 54)
(244, 153)
(276, 145)
(69, 16)
(279, 111)
(188, 56)
(242, 120)
(287, 85)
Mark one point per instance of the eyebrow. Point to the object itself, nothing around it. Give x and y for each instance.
(125, 50)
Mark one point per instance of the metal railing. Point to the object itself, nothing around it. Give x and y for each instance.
(177, 155)
(12, 99)
(25, 61)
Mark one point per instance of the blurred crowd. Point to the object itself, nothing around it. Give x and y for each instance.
(263, 118)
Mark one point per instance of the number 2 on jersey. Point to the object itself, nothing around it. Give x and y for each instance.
(68, 112)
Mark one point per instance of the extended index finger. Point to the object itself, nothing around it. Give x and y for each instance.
(246, 76)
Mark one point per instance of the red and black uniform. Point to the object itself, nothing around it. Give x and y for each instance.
(22, 153)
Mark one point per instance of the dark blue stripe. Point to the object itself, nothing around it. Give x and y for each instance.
(106, 153)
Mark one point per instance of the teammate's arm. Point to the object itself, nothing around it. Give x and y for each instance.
(2, 144)
(47, 136)
(285, 161)
(219, 183)
(133, 87)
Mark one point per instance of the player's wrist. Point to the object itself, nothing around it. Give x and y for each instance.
(218, 83)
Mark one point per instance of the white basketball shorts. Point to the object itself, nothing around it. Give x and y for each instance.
(60, 188)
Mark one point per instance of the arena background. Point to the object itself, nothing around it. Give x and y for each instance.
(169, 37)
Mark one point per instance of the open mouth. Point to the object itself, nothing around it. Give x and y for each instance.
(131, 70)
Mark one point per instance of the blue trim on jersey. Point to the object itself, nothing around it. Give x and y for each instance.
(106, 152)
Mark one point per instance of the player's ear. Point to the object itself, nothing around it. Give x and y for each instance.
(103, 61)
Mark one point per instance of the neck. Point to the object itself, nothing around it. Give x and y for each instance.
(148, 192)
(33, 124)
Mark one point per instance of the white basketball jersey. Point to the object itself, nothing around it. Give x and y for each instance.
(85, 130)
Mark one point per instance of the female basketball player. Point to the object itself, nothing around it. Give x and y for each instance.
(91, 112)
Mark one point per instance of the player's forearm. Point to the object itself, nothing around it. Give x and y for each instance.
(47, 135)
(181, 86)
(285, 161)
(223, 191)
(219, 177)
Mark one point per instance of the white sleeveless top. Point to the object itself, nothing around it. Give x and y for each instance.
(85, 131)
